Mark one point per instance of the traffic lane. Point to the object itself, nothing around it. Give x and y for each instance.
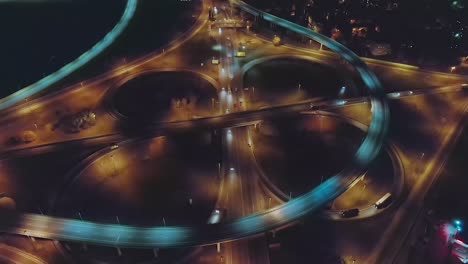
(244, 252)
(233, 179)
(109, 138)
(239, 250)
(234, 118)
(258, 245)
(16, 255)
(332, 104)
(237, 204)
(105, 128)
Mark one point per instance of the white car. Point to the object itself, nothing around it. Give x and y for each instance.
(216, 216)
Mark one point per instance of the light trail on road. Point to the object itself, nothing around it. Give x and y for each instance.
(85, 58)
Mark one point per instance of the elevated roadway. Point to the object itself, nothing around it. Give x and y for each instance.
(42, 85)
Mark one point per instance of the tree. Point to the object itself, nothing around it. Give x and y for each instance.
(276, 41)
(26, 137)
(81, 120)
(184, 102)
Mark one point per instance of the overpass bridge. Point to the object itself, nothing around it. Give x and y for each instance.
(230, 24)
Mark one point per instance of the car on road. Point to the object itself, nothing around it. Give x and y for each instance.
(217, 216)
(114, 146)
(341, 102)
(350, 213)
(240, 54)
(314, 107)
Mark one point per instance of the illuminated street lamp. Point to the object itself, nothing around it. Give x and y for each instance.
(342, 91)
(458, 226)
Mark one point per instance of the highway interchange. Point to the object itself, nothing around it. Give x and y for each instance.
(246, 220)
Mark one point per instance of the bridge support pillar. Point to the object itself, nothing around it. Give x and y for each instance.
(68, 247)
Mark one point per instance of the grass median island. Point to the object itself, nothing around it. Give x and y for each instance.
(375, 184)
(297, 154)
(164, 96)
(147, 181)
(154, 182)
(286, 80)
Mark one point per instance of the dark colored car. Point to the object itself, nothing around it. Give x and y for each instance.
(350, 213)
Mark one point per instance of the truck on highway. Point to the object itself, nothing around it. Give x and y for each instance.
(384, 201)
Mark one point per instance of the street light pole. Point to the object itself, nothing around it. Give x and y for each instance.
(31, 238)
(85, 246)
(113, 164)
(362, 192)
(321, 119)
